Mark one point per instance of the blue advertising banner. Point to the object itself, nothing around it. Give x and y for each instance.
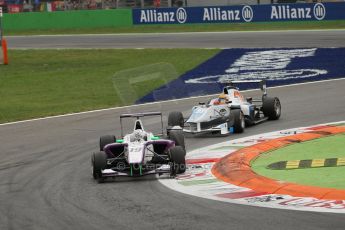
(277, 66)
(244, 13)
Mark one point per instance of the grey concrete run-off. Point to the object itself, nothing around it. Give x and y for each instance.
(274, 39)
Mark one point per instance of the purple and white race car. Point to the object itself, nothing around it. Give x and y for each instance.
(140, 152)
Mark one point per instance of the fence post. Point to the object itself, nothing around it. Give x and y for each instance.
(0, 24)
(4, 50)
(3, 41)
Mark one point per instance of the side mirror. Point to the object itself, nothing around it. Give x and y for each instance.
(263, 87)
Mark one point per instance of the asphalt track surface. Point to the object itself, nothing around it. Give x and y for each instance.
(46, 182)
(45, 171)
(255, 39)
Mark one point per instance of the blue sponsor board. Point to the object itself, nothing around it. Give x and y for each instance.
(277, 66)
(244, 13)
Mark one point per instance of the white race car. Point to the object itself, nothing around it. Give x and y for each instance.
(230, 112)
(140, 152)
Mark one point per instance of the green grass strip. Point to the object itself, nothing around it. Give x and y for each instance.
(327, 147)
(40, 83)
(217, 27)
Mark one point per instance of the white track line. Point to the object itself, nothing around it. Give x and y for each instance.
(179, 33)
(157, 102)
(210, 191)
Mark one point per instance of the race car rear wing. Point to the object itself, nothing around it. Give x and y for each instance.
(138, 123)
(137, 115)
(262, 84)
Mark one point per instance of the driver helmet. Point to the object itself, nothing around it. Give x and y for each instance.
(222, 99)
(138, 135)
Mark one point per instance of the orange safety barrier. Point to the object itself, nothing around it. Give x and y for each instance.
(4, 50)
(235, 168)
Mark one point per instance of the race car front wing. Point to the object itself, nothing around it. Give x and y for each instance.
(114, 173)
(195, 128)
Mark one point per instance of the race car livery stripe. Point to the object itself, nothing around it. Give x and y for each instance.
(235, 168)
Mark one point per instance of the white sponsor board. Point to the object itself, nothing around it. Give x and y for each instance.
(279, 12)
(156, 16)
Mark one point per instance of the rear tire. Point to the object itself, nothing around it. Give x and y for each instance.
(175, 119)
(99, 163)
(271, 108)
(178, 160)
(239, 121)
(178, 137)
(105, 140)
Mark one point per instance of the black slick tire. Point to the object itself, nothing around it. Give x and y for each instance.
(271, 108)
(104, 140)
(178, 160)
(99, 162)
(239, 121)
(178, 137)
(175, 119)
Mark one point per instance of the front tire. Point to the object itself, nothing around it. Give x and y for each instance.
(239, 121)
(99, 163)
(178, 137)
(271, 108)
(105, 140)
(175, 119)
(178, 160)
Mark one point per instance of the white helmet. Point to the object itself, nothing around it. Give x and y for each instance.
(139, 135)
